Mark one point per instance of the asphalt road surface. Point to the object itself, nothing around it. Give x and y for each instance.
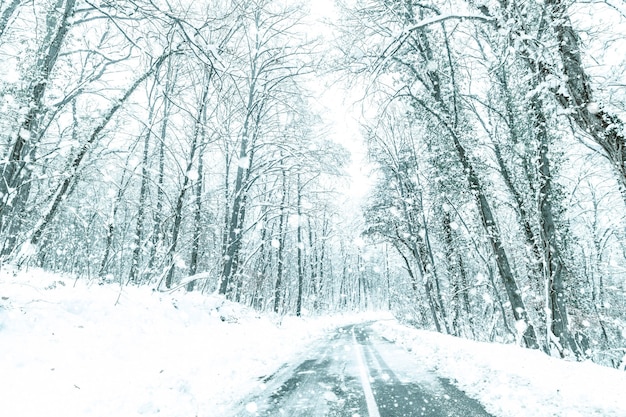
(356, 373)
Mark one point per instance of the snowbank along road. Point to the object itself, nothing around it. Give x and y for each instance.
(356, 373)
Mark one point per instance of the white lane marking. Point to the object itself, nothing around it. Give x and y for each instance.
(372, 408)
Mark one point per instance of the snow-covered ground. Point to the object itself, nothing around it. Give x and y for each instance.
(70, 348)
(514, 382)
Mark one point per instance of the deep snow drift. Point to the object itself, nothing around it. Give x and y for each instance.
(73, 348)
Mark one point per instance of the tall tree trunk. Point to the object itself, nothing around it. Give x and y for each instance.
(197, 226)
(143, 196)
(299, 249)
(520, 206)
(387, 275)
(313, 264)
(606, 129)
(234, 229)
(320, 265)
(158, 229)
(493, 234)
(15, 174)
(280, 264)
(110, 225)
(262, 263)
(558, 322)
(178, 211)
(62, 190)
(235, 219)
(456, 270)
(419, 246)
(343, 290)
(428, 253)
(449, 122)
(6, 15)
(428, 286)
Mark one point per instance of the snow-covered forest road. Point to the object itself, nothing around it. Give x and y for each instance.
(357, 372)
(195, 194)
(74, 348)
(460, 165)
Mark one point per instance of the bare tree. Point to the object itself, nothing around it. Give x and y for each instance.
(15, 179)
(272, 62)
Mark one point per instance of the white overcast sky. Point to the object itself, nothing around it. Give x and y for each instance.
(341, 114)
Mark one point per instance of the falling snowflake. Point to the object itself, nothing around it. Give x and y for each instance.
(244, 162)
(252, 407)
(593, 108)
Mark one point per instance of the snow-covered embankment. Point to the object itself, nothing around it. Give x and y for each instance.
(74, 349)
(515, 382)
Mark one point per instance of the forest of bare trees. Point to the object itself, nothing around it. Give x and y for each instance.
(181, 144)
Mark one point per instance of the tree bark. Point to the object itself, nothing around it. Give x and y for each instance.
(15, 176)
(449, 122)
(558, 322)
(524, 216)
(110, 226)
(158, 231)
(197, 226)
(143, 196)
(6, 15)
(178, 211)
(493, 234)
(606, 129)
(458, 278)
(235, 219)
(280, 264)
(299, 250)
(419, 246)
(63, 188)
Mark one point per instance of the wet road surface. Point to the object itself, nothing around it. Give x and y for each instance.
(356, 373)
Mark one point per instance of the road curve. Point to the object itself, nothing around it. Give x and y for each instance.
(356, 373)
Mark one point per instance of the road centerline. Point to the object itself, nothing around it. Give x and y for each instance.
(370, 401)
